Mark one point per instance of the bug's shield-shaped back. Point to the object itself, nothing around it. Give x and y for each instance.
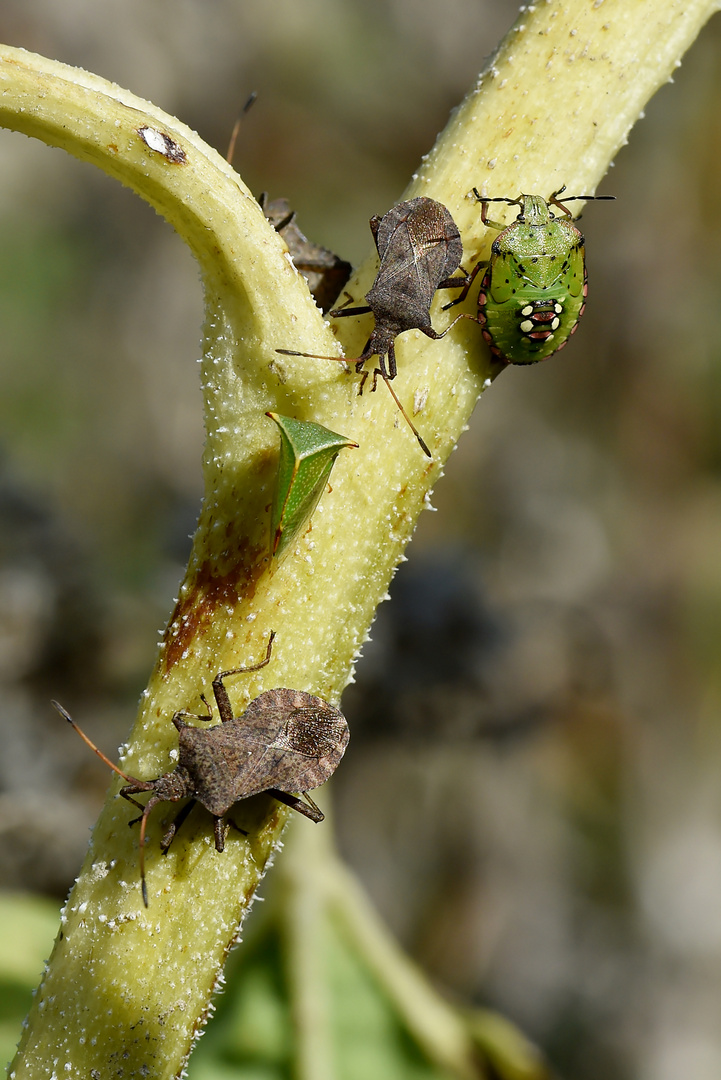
(419, 246)
(297, 741)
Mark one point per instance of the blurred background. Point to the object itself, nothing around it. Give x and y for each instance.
(532, 793)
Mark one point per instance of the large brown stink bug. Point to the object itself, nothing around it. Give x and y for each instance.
(419, 247)
(286, 742)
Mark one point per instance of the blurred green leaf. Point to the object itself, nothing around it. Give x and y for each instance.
(252, 1036)
(370, 1039)
(29, 925)
(307, 454)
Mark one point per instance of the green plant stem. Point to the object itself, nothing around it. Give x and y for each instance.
(130, 988)
(303, 905)
(318, 889)
(435, 1026)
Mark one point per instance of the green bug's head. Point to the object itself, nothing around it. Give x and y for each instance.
(534, 210)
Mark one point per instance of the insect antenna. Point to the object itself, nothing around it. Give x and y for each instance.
(317, 356)
(499, 198)
(313, 812)
(588, 198)
(358, 360)
(152, 801)
(236, 127)
(141, 785)
(405, 415)
(64, 713)
(553, 199)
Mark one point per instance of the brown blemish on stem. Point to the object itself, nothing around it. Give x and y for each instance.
(196, 609)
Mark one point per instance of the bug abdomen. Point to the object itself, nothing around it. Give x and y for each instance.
(531, 324)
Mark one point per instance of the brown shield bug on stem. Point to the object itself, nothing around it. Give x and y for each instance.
(419, 248)
(285, 742)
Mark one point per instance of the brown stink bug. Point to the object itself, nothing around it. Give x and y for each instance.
(419, 248)
(285, 742)
(325, 272)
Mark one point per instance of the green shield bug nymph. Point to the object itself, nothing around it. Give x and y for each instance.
(534, 289)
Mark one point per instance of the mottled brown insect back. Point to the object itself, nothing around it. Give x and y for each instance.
(419, 247)
(286, 743)
(285, 740)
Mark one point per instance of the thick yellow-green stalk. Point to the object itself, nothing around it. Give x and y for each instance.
(127, 988)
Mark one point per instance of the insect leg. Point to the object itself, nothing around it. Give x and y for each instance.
(344, 310)
(127, 793)
(178, 820)
(283, 224)
(575, 198)
(453, 282)
(308, 799)
(464, 285)
(553, 201)
(457, 319)
(295, 804)
(237, 828)
(181, 714)
(392, 369)
(484, 208)
(221, 694)
(219, 830)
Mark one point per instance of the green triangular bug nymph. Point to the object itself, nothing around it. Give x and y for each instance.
(534, 288)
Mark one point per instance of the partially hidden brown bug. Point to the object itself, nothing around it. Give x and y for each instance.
(324, 271)
(286, 742)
